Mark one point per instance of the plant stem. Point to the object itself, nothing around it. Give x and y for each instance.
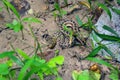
(36, 42)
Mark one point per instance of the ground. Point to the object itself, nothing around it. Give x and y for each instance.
(72, 55)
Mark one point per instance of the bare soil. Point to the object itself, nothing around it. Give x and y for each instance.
(72, 55)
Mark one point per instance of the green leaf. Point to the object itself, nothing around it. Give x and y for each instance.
(63, 12)
(6, 54)
(114, 75)
(80, 23)
(95, 37)
(1, 9)
(108, 37)
(100, 61)
(57, 6)
(56, 60)
(16, 60)
(95, 51)
(31, 20)
(118, 2)
(9, 5)
(83, 75)
(24, 69)
(116, 10)
(110, 30)
(15, 25)
(10, 55)
(59, 78)
(4, 69)
(3, 78)
(104, 7)
(23, 54)
(108, 51)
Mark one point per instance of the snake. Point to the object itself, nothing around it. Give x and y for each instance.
(63, 38)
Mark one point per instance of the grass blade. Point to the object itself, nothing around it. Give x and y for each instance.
(95, 51)
(80, 23)
(104, 7)
(23, 54)
(6, 54)
(108, 37)
(24, 69)
(116, 10)
(16, 60)
(108, 51)
(31, 20)
(110, 30)
(9, 5)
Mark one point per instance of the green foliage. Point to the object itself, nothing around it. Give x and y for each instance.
(15, 25)
(31, 20)
(60, 13)
(80, 23)
(4, 69)
(116, 10)
(110, 30)
(1, 8)
(10, 6)
(104, 7)
(85, 75)
(30, 66)
(66, 2)
(114, 75)
(108, 37)
(95, 51)
(118, 2)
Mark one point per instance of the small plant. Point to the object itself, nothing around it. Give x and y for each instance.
(27, 66)
(60, 13)
(17, 24)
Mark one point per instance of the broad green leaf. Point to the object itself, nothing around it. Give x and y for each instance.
(31, 20)
(114, 75)
(110, 30)
(3, 78)
(9, 5)
(80, 23)
(4, 69)
(16, 60)
(6, 54)
(108, 37)
(86, 75)
(100, 61)
(116, 10)
(23, 54)
(56, 60)
(40, 75)
(104, 7)
(95, 51)
(10, 55)
(15, 25)
(24, 69)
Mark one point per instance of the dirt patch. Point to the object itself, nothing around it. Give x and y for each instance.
(44, 12)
